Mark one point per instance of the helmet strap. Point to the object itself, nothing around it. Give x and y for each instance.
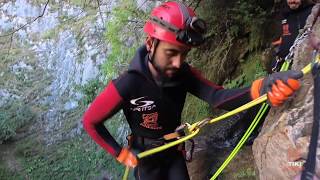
(155, 43)
(162, 78)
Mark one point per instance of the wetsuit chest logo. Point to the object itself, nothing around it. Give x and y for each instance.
(140, 104)
(150, 121)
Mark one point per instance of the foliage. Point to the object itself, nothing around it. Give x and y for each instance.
(77, 158)
(123, 36)
(245, 174)
(251, 70)
(5, 173)
(237, 82)
(74, 158)
(195, 109)
(80, 158)
(247, 17)
(80, 3)
(49, 34)
(90, 90)
(241, 21)
(13, 115)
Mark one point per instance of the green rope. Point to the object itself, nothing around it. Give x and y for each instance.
(285, 66)
(244, 138)
(261, 112)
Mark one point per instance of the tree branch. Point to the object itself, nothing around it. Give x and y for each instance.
(197, 5)
(28, 23)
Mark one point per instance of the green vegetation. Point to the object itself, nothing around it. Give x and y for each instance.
(74, 158)
(231, 56)
(121, 31)
(251, 70)
(80, 157)
(50, 34)
(79, 3)
(195, 109)
(77, 158)
(245, 174)
(6, 174)
(248, 17)
(13, 115)
(90, 90)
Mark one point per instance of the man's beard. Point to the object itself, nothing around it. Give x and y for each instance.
(163, 79)
(294, 5)
(162, 76)
(162, 72)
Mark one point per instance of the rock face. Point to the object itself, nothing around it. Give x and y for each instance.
(48, 59)
(282, 146)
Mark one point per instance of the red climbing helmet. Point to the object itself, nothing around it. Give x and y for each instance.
(175, 23)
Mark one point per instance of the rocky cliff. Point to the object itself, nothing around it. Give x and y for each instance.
(46, 58)
(282, 146)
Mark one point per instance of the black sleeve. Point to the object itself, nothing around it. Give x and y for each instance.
(215, 95)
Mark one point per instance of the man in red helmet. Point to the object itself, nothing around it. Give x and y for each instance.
(152, 93)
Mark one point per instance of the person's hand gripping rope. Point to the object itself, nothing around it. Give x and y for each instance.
(279, 86)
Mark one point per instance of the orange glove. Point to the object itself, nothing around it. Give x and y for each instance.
(279, 86)
(127, 158)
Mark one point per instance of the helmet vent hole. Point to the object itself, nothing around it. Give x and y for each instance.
(161, 17)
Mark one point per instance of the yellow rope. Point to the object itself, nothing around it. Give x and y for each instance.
(194, 128)
(126, 173)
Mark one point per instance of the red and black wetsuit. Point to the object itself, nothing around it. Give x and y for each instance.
(153, 111)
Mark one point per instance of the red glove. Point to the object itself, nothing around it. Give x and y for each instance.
(279, 86)
(127, 158)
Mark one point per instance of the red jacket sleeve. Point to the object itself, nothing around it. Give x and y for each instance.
(103, 107)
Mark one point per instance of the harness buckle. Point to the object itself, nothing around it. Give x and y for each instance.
(178, 133)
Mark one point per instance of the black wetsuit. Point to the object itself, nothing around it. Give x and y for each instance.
(154, 110)
(292, 21)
